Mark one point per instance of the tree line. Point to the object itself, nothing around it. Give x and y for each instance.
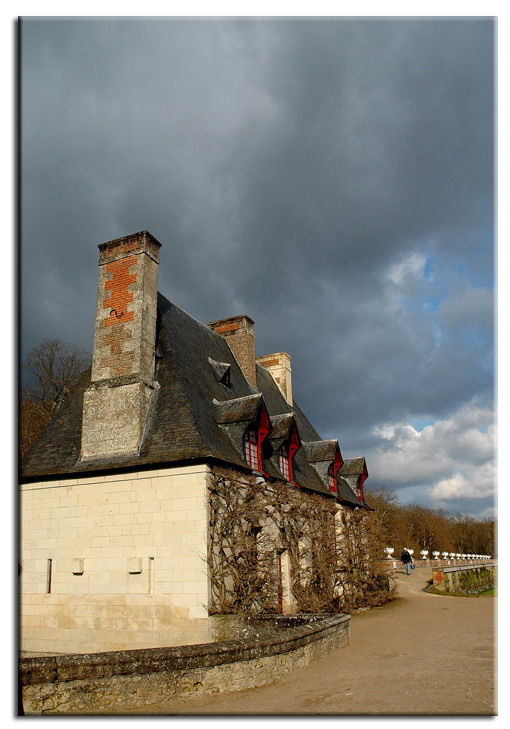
(418, 527)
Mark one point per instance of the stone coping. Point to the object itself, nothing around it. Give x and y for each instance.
(460, 567)
(281, 634)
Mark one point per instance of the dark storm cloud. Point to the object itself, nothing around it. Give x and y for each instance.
(332, 178)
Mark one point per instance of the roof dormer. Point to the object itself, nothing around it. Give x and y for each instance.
(326, 458)
(333, 469)
(285, 442)
(222, 372)
(288, 448)
(253, 438)
(354, 473)
(247, 424)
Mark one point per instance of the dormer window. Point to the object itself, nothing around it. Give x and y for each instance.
(333, 470)
(361, 480)
(251, 448)
(332, 479)
(253, 438)
(225, 379)
(283, 462)
(287, 451)
(222, 372)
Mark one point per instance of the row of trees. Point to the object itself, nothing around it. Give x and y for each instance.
(418, 527)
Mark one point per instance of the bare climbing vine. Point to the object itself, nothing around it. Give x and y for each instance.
(333, 554)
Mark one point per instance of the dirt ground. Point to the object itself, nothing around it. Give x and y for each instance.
(420, 655)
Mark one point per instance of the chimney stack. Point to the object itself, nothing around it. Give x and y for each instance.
(238, 331)
(278, 365)
(116, 405)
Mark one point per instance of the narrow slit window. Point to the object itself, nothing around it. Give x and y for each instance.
(151, 575)
(49, 570)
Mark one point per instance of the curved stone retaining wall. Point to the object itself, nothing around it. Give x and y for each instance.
(91, 683)
(468, 579)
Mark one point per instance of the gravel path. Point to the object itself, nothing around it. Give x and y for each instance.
(420, 655)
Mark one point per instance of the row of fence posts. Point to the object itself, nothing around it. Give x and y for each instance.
(439, 558)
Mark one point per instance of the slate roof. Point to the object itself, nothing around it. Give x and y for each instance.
(237, 410)
(194, 416)
(353, 466)
(349, 477)
(321, 450)
(346, 493)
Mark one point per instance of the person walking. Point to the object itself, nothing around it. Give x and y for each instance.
(406, 560)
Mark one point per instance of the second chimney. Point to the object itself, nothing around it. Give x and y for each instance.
(238, 331)
(278, 365)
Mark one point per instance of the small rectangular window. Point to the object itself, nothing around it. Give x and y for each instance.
(251, 449)
(332, 479)
(284, 462)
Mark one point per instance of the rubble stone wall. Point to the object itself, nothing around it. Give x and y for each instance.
(89, 684)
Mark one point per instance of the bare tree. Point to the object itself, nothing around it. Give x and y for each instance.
(54, 367)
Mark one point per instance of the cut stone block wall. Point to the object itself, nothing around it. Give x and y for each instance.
(93, 529)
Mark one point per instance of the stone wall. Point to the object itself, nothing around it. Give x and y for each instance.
(469, 579)
(114, 562)
(113, 681)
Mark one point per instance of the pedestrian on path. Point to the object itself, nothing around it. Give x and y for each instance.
(407, 560)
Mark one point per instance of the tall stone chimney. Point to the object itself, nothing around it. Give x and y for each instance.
(238, 331)
(116, 405)
(279, 366)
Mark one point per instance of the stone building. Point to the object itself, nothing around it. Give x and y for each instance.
(114, 507)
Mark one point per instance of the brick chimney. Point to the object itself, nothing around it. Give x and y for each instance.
(116, 405)
(238, 331)
(278, 365)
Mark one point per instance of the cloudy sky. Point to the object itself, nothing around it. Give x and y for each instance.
(332, 178)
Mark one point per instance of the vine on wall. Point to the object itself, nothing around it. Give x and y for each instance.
(333, 555)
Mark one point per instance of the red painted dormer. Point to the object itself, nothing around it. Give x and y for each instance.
(288, 450)
(253, 438)
(361, 480)
(333, 470)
